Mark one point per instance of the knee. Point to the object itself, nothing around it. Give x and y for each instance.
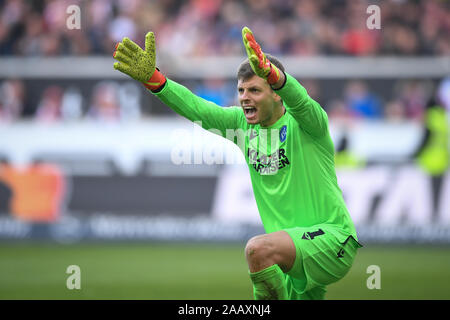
(258, 249)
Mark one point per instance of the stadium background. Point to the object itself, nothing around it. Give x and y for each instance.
(90, 171)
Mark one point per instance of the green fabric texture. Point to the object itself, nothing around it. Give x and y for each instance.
(324, 255)
(291, 162)
(133, 61)
(269, 284)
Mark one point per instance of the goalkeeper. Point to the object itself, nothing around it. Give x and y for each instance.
(310, 239)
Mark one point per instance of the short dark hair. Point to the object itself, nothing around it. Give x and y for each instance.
(245, 71)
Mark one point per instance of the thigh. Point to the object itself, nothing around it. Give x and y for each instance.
(325, 255)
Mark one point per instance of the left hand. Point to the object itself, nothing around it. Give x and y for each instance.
(261, 66)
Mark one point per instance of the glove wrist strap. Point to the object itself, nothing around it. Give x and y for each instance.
(156, 81)
(274, 75)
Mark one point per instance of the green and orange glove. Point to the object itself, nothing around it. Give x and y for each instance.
(139, 64)
(261, 66)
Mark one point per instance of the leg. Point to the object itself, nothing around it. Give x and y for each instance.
(436, 185)
(268, 249)
(268, 256)
(326, 254)
(317, 293)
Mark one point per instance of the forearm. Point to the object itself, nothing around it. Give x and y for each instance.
(308, 113)
(181, 100)
(194, 108)
(291, 91)
(140, 65)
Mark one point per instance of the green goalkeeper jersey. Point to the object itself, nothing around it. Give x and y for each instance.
(291, 162)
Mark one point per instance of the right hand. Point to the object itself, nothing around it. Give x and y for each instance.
(133, 61)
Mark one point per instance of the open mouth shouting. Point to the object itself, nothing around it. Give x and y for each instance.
(250, 112)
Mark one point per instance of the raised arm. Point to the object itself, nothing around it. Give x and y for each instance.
(307, 112)
(141, 65)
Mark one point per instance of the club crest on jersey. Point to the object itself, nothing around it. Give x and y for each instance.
(283, 133)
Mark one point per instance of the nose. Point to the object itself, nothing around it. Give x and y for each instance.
(243, 95)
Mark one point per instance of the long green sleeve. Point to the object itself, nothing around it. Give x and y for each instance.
(185, 103)
(291, 162)
(307, 112)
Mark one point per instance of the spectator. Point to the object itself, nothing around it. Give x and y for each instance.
(361, 102)
(130, 101)
(357, 39)
(413, 95)
(12, 95)
(72, 104)
(104, 106)
(395, 111)
(49, 108)
(339, 112)
(443, 93)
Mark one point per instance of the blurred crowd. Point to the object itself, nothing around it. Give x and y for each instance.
(109, 101)
(407, 102)
(112, 101)
(213, 27)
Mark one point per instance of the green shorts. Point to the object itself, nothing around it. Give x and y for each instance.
(324, 254)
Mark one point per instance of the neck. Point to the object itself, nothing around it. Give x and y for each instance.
(278, 113)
